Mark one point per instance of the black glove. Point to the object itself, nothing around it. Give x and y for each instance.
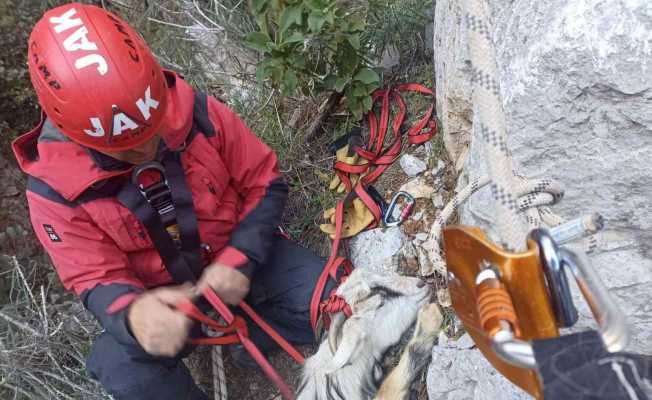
(578, 367)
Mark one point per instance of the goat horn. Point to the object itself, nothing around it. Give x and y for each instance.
(335, 330)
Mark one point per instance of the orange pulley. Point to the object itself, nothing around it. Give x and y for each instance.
(507, 300)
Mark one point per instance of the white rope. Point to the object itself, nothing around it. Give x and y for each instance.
(491, 116)
(217, 362)
(533, 199)
(521, 205)
(219, 375)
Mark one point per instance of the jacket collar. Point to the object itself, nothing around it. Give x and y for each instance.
(70, 169)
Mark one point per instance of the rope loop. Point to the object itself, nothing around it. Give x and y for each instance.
(520, 205)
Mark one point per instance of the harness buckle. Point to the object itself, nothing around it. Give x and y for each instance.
(158, 194)
(409, 202)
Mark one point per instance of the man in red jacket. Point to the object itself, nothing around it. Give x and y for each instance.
(139, 185)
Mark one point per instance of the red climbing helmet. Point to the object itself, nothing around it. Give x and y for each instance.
(95, 78)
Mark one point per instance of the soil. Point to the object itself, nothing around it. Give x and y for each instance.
(16, 238)
(250, 385)
(18, 112)
(246, 384)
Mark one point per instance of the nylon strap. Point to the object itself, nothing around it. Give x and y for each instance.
(185, 211)
(236, 330)
(577, 366)
(130, 197)
(379, 157)
(184, 266)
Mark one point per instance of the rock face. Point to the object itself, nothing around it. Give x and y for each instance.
(576, 79)
(462, 374)
(377, 249)
(411, 165)
(451, 79)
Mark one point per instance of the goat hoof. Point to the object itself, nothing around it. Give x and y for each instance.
(430, 319)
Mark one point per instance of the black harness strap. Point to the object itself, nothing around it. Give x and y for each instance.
(185, 211)
(181, 268)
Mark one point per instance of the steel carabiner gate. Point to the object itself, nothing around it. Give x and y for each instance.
(389, 219)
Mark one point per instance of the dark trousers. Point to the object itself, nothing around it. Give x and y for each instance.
(280, 293)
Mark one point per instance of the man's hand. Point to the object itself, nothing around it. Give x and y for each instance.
(230, 284)
(156, 325)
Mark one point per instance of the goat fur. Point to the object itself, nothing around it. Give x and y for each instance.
(414, 357)
(384, 306)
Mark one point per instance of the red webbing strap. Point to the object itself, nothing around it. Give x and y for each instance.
(378, 160)
(331, 267)
(415, 134)
(216, 341)
(280, 340)
(334, 303)
(191, 310)
(373, 207)
(237, 327)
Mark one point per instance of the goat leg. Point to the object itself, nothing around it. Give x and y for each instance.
(415, 356)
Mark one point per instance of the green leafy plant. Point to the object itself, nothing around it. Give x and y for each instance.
(313, 46)
(401, 25)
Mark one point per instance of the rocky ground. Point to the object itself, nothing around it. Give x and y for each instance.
(425, 173)
(577, 101)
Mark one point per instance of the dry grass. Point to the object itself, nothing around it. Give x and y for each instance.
(44, 333)
(44, 338)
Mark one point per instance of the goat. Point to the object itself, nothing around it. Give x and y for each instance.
(347, 366)
(414, 357)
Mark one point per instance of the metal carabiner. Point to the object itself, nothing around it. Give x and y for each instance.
(558, 287)
(610, 319)
(388, 217)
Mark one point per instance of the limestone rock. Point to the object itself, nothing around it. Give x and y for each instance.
(409, 259)
(411, 165)
(444, 297)
(428, 149)
(452, 82)
(575, 80)
(390, 58)
(457, 374)
(418, 188)
(465, 342)
(442, 339)
(438, 201)
(423, 257)
(439, 169)
(417, 216)
(408, 251)
(377, 249)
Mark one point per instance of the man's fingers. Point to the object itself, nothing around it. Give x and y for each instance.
(175, 294)
(212, 274)
(203, 283)
(215, 276)
(166, 347)
(156, 325)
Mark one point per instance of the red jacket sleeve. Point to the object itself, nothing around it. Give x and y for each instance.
(253, 168)
(87, 260)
